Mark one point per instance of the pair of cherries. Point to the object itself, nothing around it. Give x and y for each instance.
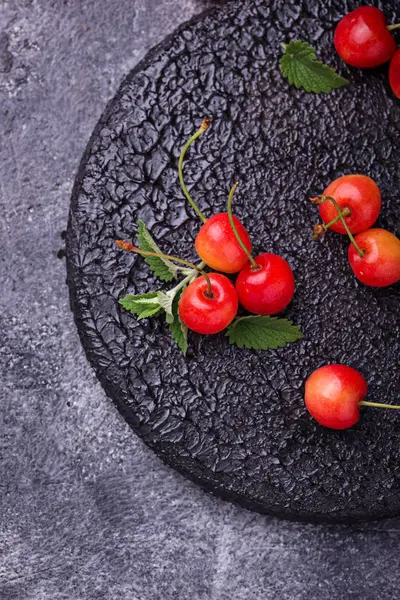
(264, 285)
(350, 205)
(363, 39)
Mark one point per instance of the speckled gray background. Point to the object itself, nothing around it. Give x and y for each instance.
(86, 511)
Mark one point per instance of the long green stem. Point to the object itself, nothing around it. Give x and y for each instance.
(360, 252)
(129, 247)
(204, 126)
(378, 405)
(391, 27)
(235, 231)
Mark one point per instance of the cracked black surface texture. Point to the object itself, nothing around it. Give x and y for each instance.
(234, 420)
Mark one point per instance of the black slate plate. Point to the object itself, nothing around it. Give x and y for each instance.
(234, 420)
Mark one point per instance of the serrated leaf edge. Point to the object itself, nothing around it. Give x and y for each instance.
(145, 238)
(250, 345)
(286, 63)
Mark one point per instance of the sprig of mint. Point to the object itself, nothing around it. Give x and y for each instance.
(152, 304)
(262, 333)
(162, 267)
(300, 66)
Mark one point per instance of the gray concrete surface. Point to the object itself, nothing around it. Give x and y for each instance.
(86, 511)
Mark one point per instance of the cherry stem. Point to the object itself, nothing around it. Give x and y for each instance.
(321, 200)
(378, 405)
(129, 247)
(320, 229)
(235, 231)
(391, 27)
(204, 126)
(346, 212)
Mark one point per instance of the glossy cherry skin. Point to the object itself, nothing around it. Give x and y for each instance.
(360, 194)
(394, 74)
(332, 394)
(268, 290)
(208, 315)
(362, 39)
(380, 266)
(218, 247)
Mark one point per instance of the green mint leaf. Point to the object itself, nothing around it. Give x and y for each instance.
(300, 66)
(262, 333)
(165, 300)
(163, 268)
(148, 313)
(177, 328)
(142, 305)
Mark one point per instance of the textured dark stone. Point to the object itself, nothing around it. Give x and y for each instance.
(230, 419)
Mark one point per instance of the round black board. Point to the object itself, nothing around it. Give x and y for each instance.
(234, 420)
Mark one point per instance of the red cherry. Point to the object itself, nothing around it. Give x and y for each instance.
(268, 289)
(216, 243)
(394, 74)
(205, 314)
(360, 194)
(333, 394)
(217, 246)
(362, 38)
(380, 266)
